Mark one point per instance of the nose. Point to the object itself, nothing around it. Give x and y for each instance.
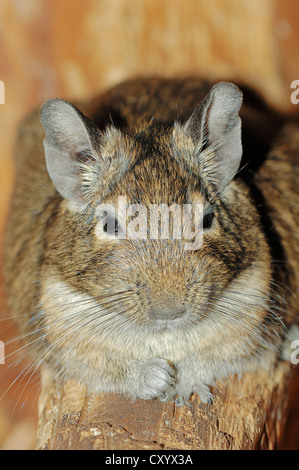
(166, 312)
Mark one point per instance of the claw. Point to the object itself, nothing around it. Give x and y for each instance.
(204, 393)
(182, 400)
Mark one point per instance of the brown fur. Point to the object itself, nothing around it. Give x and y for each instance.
(85, 304)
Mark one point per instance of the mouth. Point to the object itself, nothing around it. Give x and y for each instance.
(170, 324)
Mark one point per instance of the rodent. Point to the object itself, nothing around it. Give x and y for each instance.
(146, 317)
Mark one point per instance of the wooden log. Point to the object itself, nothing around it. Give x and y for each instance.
(247, 413)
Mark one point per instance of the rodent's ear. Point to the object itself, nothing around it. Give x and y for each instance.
(215, 128)
(70, 139)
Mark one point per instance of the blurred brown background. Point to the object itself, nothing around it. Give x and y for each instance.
(75, 48)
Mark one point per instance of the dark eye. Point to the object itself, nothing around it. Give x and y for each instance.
(207, 220)
(111, 226)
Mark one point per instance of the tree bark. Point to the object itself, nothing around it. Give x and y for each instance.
(247, 413)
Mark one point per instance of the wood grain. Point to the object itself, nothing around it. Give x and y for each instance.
(246, 414)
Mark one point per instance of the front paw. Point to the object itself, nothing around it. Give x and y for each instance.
(157, 380)
(202, 390)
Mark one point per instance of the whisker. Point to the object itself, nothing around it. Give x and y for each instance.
(256, 330)
(75, 315)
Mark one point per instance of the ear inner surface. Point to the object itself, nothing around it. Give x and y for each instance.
(215, 128)
(69, 139)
